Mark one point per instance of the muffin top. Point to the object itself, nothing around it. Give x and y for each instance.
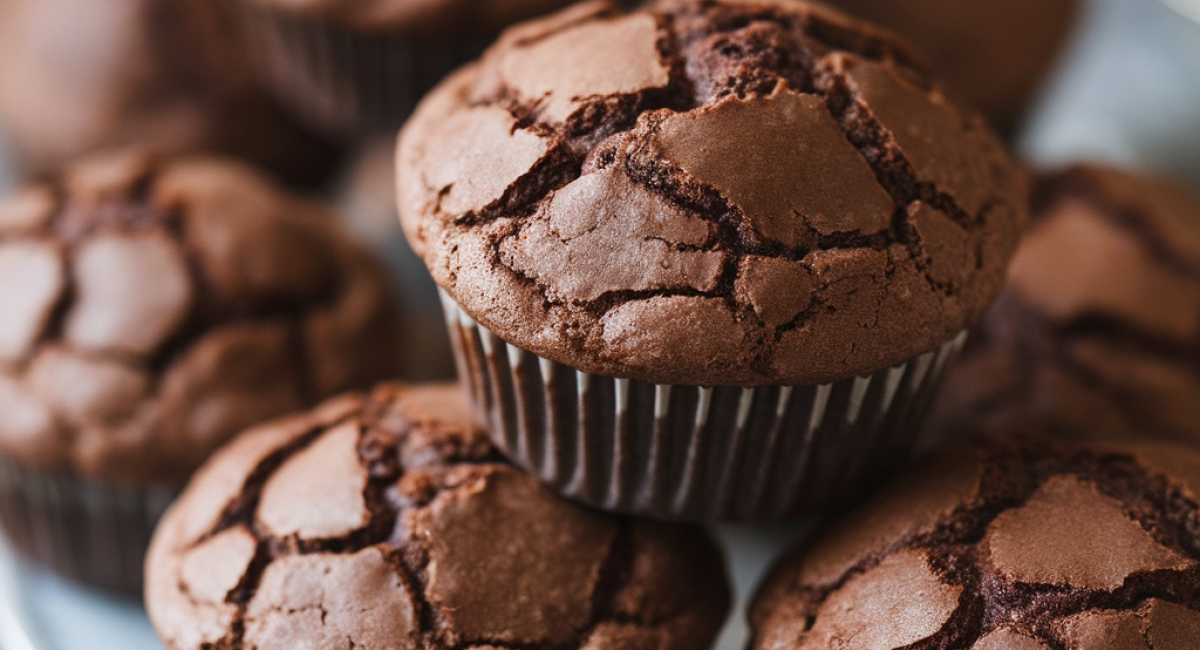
(1013, 546)
(1098, 332)
(994, 52)
(709, 193)
(390, 522)
(418, 18)
(153, 307)
(78, 76)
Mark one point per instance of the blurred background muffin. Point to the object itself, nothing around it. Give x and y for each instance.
(996, 53)
(1098, 332)
(153, 307)
(365, 198)
(349, 66)
(79, 75)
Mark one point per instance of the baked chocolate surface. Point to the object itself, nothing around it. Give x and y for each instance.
(153, 307)
(78, 76)
(1009, 546)
(389, 521)
(994, 52)
(1098, 332)
(709, 193)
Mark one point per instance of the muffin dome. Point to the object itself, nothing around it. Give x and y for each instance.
(1021, 546)
(709, 193)
(1098, 332)
(390, 522)
(153, 307)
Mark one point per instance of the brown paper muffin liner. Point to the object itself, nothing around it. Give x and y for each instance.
(694, 453)
(345, 82)
(90, 533)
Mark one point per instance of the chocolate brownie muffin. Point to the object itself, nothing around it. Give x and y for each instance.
(1013, 546)
(390, 522)
(361, 65)
(80, 75)
(706, 193)
(153, 307)
(1098, 332)
(994, 52)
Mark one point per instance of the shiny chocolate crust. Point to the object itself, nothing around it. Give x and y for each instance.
(389, 521)
(1098, 332)
(78, 76)
(153, 307)
(1008, 546)
(709, 193)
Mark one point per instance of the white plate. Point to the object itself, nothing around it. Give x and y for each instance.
(41, 612)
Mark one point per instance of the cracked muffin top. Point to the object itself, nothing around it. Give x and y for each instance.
(153, 307)
(1098, 333)
(709, 193)
(1013, 546)
(389, 521)
(421, 18)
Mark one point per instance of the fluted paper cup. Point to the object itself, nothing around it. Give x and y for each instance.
(346, 82)
(694, 453)
(87, 532)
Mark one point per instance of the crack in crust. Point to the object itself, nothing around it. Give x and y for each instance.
(788, 133)
(455, 549)
(164, 304)
(1101, 318)
(1009, 546)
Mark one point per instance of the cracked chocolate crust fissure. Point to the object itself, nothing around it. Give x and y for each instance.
(379, 455)
(132, 210)
(601, 133)
(989, 602)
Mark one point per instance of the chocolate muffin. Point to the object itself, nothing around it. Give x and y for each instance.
(361, 65)
(1011, 546)
(78, 76)
(768, 198)
(1098, 332)
(995, 52)
(153, 307)
(389, 521)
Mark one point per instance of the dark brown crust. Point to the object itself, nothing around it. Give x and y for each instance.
(268, 308)
(880, 295)
(653, 584)
(953, 538)
(1094, 358)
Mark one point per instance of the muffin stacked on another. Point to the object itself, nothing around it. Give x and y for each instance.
(153, 307)
(389, 522)
(350, 66)
(1098, 332)
(78, 76)
(1008, 546)
(765, 197)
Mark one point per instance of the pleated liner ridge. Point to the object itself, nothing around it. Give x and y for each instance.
(693, 453)
(91, 533)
